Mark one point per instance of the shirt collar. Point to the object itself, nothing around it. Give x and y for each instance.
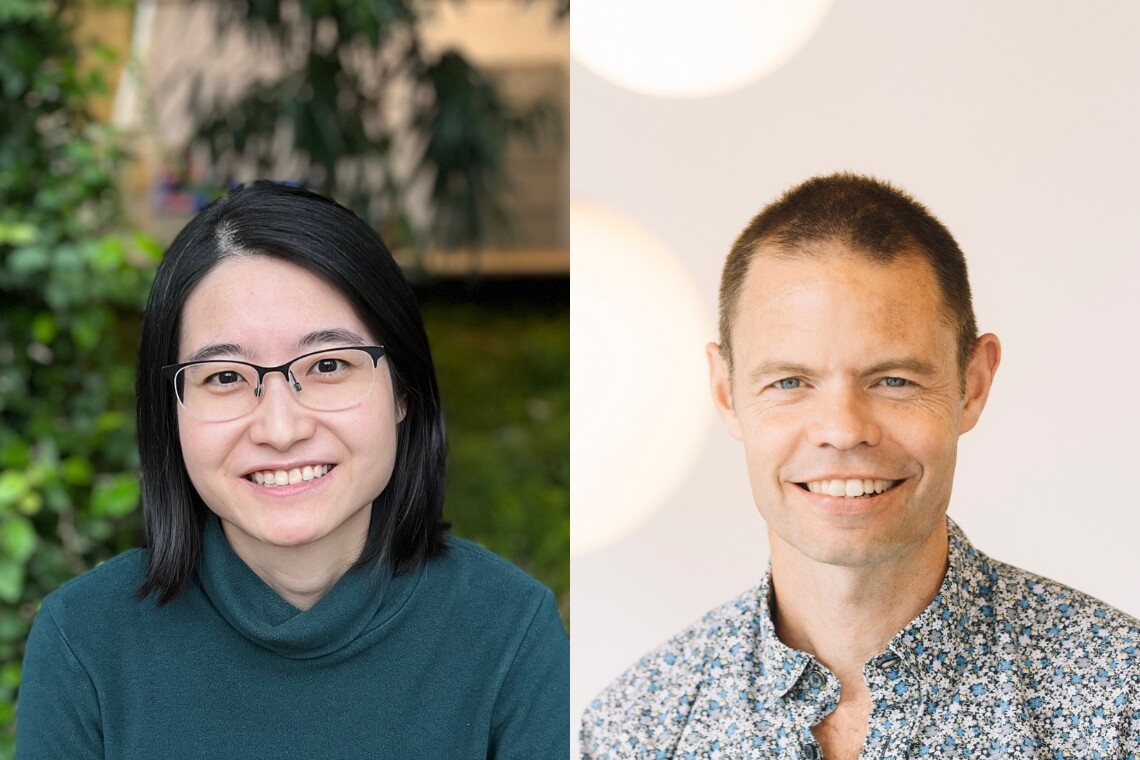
(937, 642)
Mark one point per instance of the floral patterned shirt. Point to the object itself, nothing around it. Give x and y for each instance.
(1001, 664)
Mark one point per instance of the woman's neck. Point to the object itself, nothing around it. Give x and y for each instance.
(301, 574)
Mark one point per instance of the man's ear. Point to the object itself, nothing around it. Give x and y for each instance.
(720, 383)
(979, 378)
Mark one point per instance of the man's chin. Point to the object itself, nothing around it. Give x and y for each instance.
(844, 545)
(862, 546)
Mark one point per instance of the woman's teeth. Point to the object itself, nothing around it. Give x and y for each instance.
(289, 477)
(850, 489)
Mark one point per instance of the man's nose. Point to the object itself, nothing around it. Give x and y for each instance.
(844, 421)
(280, 420)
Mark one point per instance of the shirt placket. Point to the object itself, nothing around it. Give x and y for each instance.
(814, 697)
(896, 706)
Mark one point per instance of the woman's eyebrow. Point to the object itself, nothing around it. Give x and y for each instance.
(331, 335)
(218, 350)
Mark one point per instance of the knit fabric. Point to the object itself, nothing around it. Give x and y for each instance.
(466, 658)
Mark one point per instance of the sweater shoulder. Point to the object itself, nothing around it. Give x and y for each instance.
(113, 582)
(484, 568)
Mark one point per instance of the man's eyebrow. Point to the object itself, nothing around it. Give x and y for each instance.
(791, 369)
(218, 351)
(905, 364)
(783, 369)
(331, 335)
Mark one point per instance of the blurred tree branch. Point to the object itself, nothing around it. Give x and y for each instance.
(366, 112)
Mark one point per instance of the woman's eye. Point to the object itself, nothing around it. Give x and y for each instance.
(325, 366)
(224, 378)
(895, 382)
(787, 384)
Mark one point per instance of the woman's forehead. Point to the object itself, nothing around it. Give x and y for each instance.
(262, 304)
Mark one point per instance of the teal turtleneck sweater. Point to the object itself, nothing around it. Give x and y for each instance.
(466, 658)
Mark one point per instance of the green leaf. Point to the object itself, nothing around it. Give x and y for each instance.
(115, 496)
(11, 580)
(148, 247)
(10, 675)
(77, 471)
(13, 626)
(13, 486)
(45, 327)
(17, 539)
(31, 504)
(14, 453)
(18, 233)
(87, 330)
(28, 260)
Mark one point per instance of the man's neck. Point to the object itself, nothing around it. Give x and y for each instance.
(844, 616)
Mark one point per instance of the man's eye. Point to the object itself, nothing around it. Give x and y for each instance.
(787, 384)
(895, 382)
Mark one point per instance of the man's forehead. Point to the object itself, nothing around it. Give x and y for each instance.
(830, 303)
(784, 273)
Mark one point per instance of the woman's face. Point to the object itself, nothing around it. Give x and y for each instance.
(266, 311)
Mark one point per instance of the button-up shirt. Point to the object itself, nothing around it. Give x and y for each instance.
(1002, 663)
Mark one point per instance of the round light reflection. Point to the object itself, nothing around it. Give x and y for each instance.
(675, 48)
(639, 406)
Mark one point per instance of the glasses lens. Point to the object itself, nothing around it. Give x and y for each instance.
(333, 380)
(216, 390)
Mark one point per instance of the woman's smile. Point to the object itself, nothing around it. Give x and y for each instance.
(282, 451)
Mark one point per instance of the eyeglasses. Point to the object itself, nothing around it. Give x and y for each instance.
(217, 390)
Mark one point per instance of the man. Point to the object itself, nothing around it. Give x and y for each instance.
(848, 365)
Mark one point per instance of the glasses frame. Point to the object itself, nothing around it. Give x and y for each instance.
(170, 371)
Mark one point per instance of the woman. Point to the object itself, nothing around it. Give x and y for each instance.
(299, 596)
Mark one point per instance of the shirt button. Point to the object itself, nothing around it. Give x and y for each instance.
(815, 679)
(810, 752)
(889, 662)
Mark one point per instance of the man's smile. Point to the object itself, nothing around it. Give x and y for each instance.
(849, 488)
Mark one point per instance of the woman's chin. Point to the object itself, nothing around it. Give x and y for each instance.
(292, 535)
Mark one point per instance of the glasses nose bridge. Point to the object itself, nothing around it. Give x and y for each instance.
(284, 369)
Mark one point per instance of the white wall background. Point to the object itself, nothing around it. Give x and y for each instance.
(1017, 124)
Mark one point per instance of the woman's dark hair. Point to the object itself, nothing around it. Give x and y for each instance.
(319, 235)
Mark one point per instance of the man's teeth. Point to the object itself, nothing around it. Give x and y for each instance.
(289, 477)
(850, 488)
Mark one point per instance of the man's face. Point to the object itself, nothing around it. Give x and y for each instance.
(846, 394)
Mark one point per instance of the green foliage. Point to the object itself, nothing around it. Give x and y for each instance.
(71, 292)
(504, 376)
(358, 91)
(72, 286)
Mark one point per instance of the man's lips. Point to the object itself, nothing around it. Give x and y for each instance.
(849, 488)
(272, 478)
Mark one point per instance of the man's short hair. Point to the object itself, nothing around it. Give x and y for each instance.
(870, 217)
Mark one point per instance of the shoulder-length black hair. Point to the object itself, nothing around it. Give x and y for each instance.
(313, 232)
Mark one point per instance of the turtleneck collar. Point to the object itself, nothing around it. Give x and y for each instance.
(359, 601)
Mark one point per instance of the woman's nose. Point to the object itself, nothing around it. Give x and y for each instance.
(280, 420)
